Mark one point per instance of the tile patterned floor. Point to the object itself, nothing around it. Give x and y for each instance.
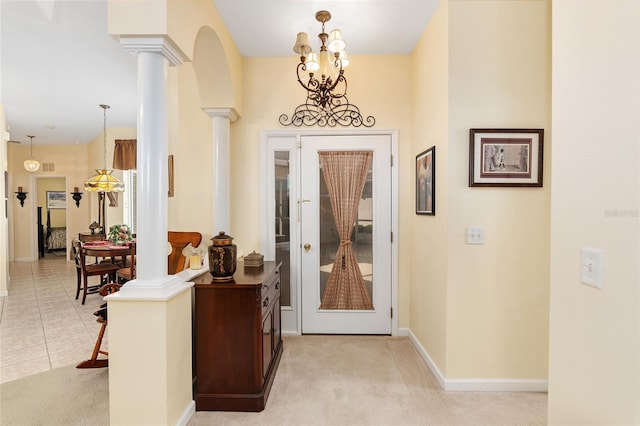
(42, 326)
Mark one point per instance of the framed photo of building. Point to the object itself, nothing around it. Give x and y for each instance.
(426, 182)
(505, 157)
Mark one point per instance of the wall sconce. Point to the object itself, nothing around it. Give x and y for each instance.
(77, 196)
(21, 195)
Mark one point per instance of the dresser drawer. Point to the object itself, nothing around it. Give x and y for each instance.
(270, 291)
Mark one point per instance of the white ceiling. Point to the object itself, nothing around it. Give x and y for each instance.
(57, 63)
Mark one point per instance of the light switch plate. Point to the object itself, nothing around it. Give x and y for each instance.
(591, 267)
(475, 235)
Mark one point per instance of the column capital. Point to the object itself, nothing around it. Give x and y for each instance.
(229, 113)
(155, 44)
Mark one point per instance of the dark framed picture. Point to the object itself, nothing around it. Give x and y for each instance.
(426, 182)
(505, 157)
(56, 200)
(170, 170)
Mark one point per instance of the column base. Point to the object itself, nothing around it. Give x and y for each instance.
(150, 353)
(159, 290)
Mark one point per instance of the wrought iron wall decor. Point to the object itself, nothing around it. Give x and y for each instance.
(77, 196)
(21, 196)
(326, 103)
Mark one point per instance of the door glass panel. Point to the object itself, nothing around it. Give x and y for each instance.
(360, 241)
(282, 225)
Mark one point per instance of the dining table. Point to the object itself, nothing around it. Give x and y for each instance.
(106, 249)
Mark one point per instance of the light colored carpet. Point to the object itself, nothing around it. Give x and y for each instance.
(63, 396)
(322, 380)
(373, 380)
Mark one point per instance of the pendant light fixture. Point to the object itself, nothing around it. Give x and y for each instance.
(322, 76)
(31, 165)
(104, 181)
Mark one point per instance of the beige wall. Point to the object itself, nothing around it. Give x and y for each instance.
(498, 293)
(217, 56)
(481, 311)
(191, 208)
(594, 360)
(4, 210)
(429, 256)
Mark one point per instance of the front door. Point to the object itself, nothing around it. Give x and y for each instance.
(345, 216)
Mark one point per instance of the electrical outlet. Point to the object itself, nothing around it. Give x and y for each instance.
(591, 267)
(475, 235)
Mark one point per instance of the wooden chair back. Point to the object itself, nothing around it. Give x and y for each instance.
(77, 247)
(106, 272)
(179, 240)
(128, 271)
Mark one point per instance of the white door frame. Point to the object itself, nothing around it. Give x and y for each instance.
(291, 316)
(36, 181)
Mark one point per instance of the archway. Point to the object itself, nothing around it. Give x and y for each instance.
(212, 70)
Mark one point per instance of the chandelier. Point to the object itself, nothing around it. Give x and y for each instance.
(104, 181)
(31, 165)
(322, 76)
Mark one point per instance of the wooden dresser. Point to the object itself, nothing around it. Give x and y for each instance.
(238, 339)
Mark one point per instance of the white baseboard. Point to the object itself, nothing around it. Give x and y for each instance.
(497, 385)
(427, 359)
(187, 414)
(403, 332)
(477, 385)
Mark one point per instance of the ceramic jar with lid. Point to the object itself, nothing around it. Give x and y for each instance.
(222, 257)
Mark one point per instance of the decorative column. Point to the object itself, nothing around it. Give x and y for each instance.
(222, 119)
(150, 375)
(154, 54)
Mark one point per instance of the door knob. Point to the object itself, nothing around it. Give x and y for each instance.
(307, 246)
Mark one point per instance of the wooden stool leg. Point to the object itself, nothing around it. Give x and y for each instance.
(84, 289)
(94, 362)
(79, 282)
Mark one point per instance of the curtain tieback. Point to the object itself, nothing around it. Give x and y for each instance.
(345, 242)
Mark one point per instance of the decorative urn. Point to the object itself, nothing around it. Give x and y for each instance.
(222, 257)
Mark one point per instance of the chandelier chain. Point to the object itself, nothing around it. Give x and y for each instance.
(104, 132)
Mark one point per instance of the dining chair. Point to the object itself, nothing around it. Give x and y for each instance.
(76, 245)
(101, 313)
(179, 240)
(128, 271)
(105, 272)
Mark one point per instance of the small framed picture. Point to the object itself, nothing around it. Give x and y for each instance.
(426, 182)
(56, 200)
(171, 183)
(505, 157)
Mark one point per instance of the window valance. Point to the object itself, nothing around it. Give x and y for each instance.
(124, 154)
